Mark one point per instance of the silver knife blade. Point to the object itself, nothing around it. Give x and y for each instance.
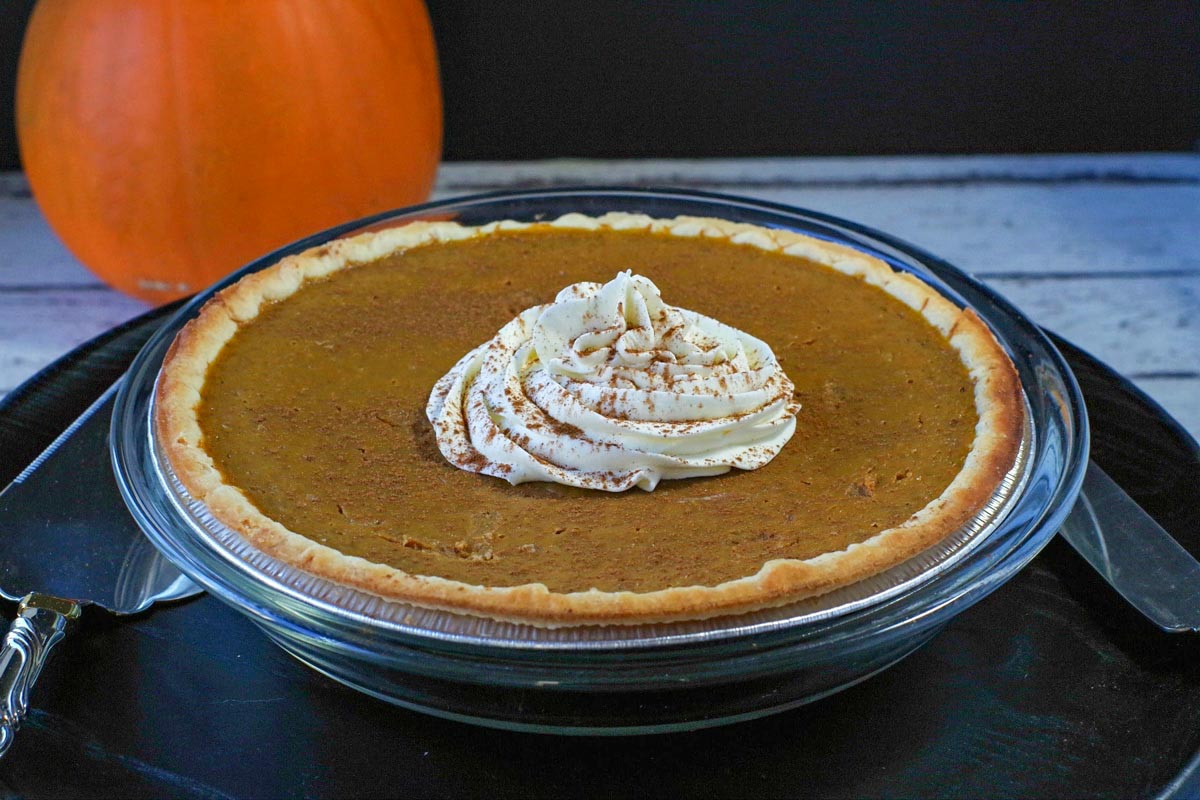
(1134, 554)
(64, 530)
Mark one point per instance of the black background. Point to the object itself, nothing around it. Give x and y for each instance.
(691, 79)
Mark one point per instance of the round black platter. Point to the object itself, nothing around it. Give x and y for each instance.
(1050, 687)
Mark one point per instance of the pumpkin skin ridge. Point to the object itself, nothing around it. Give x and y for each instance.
(169, 144)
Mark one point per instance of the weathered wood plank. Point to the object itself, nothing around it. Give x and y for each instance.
(985, 229)
(990, 215)
(763, 173)
(1179, 397)
(1029, 228)
(1143, 328)
(1136, 326)
(1101, 249)
(38, 327)
(458, 177)
(30, 253)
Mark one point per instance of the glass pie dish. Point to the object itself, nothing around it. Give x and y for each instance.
(625, 679)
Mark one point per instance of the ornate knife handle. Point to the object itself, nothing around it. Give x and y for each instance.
(42, 621)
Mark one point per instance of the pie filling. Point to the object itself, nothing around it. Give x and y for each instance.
(316, 411)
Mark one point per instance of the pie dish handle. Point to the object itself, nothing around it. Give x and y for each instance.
(42, 622)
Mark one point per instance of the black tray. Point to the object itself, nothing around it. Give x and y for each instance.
(1050, 687)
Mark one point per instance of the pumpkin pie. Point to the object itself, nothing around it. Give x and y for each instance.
(302, 407)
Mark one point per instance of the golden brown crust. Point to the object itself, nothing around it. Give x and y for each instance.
(998, 401)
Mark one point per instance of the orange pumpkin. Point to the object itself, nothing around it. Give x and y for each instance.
(169, 143)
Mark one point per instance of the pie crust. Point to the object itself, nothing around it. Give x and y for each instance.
(998, 401)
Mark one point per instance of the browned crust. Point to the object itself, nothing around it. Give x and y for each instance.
(998, 401)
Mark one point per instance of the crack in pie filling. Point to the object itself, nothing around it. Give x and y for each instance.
(335, 410)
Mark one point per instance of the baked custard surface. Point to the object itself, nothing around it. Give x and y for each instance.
(314, 410)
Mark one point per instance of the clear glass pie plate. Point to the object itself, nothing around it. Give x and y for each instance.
(626, 679)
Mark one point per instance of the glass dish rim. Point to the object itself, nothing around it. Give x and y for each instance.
(1067, 482)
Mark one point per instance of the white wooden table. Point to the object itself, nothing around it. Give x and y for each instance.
(1104, 250)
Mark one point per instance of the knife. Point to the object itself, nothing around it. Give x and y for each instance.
(67, 540)
(1134, 554)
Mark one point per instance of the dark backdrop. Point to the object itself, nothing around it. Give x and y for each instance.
(527, 79)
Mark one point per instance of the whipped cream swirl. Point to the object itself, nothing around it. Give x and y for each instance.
(609, 388)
